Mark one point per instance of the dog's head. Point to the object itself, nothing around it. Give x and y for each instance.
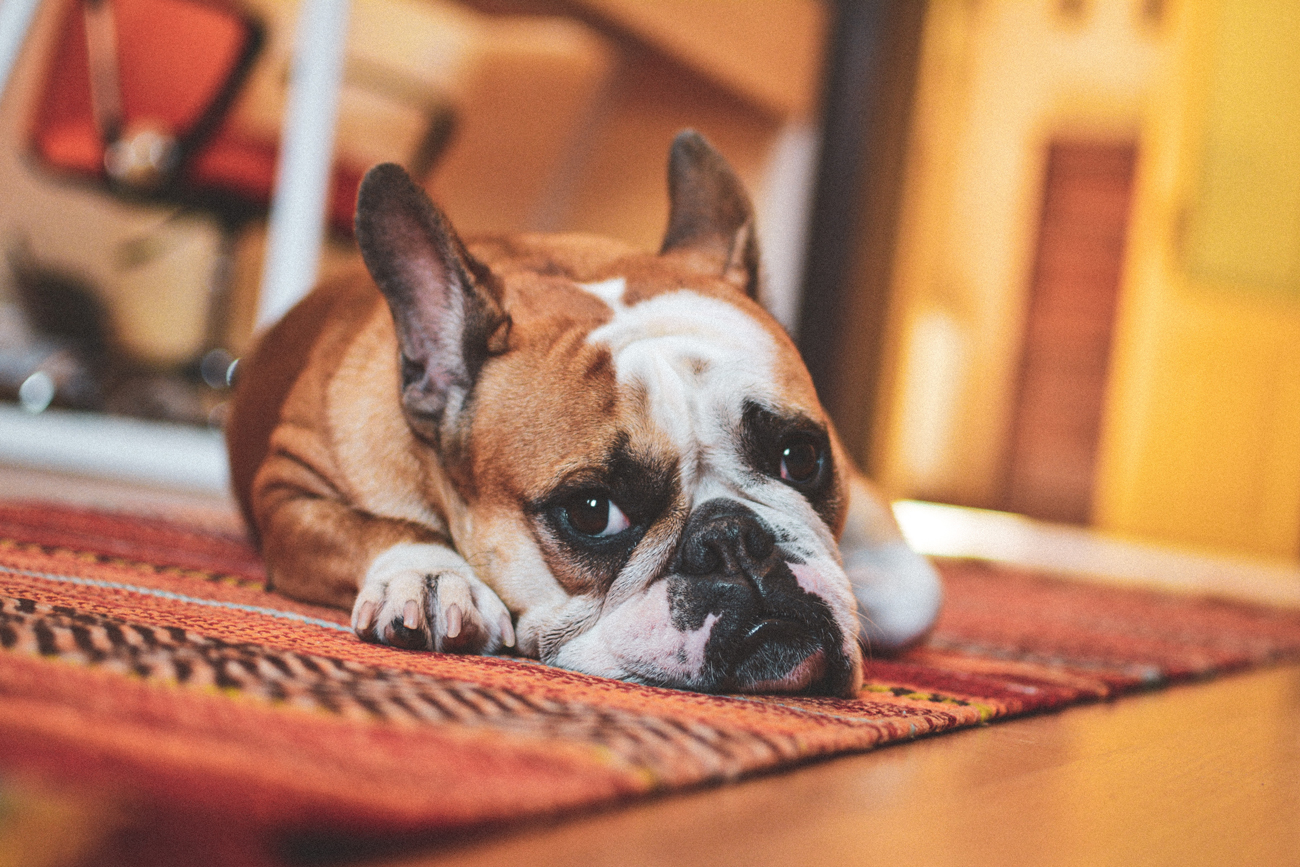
(639, 463)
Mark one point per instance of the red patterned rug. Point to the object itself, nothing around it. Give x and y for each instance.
(142, 665)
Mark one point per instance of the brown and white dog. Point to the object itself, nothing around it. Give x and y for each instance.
(614, 461)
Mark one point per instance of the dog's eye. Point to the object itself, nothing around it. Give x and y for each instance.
(801, 460)
(595, 515)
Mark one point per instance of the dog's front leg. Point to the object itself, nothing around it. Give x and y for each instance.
(425, 596)
(898, 591)
(406, 585)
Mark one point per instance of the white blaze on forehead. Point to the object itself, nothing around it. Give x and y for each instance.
(693, 355)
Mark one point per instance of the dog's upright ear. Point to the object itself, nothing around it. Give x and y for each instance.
(710, 216)
(445, 304)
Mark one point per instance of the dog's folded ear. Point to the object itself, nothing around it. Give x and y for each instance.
(445, 304)
(710, 216)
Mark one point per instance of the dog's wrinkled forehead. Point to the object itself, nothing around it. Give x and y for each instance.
(694, 360)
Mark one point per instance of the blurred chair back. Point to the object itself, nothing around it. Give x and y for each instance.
(138, 96)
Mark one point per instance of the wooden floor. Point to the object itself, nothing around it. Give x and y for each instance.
(1206, 774)
(1203, 774)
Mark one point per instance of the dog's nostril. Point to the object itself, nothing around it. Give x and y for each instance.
(728, 541)
(726, 549)
(701, 557)
(758, 542)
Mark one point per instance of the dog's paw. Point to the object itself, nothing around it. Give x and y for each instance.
(426, 597)
(898, 592)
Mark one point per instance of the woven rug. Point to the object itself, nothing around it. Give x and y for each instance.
(140, 661)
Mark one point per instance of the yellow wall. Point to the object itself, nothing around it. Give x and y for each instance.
(1202, 436)
(998, 80)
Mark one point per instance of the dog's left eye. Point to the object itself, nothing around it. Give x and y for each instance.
(801, 460)
(595, 515)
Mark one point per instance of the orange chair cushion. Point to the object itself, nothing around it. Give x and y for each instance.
(174, 59)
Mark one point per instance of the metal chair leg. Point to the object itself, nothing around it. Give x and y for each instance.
(297, 221)
(15, 20)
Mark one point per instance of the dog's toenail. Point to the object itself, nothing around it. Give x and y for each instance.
(411, 614)
(366, 617)
(453, 621)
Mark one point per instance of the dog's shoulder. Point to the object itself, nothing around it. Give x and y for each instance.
(292, 358)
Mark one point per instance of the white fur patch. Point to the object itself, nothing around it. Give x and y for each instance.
(638, 640)
(610, 291)
(697, 358)
(687, 320)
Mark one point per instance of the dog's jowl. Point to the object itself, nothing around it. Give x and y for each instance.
(610, 460)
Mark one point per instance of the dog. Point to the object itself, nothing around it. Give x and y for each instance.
(609, 460)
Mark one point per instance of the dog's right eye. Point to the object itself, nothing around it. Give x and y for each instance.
(595, 515)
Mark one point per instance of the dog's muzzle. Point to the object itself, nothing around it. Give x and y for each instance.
(768, 633)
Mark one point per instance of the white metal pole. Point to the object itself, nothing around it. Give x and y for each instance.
(297, 220)
(15, 20)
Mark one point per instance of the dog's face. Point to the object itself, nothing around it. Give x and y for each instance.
(656, 491)
(640, 465)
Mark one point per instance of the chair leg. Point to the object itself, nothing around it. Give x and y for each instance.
(15, 20)
(297, 220)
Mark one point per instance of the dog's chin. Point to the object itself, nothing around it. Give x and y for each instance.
(790, 643)
(778, 657)
(804, 677)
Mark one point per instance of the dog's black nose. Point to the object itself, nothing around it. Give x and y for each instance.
(726, 541)
(767, 633)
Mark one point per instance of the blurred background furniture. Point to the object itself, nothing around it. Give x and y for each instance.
(213, 121)
(1039, 277)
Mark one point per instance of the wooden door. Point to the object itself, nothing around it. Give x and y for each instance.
(1063, 372)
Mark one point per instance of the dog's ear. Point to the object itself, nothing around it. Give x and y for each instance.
(445, 304)
(710, 217)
